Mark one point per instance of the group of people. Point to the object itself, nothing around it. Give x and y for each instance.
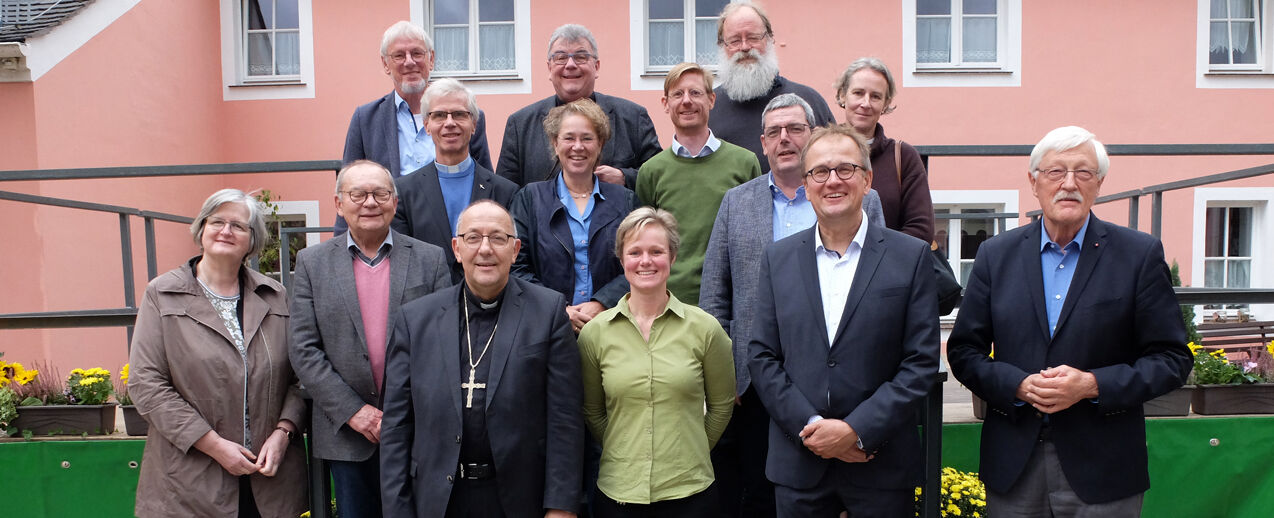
(742, 323)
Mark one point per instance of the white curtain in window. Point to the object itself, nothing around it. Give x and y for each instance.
(451, 48)
(706, 41)
(667, 45)
(260, 58)
(287, 55)
(495, 47)
(933, 40)
(979, 40)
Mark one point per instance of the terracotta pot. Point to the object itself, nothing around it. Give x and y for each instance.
(1234, 399)
(1175, 403)
(134, 423)
(67, 419)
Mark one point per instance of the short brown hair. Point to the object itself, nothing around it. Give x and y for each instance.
(840, 130)
(584, 107)
(637, 220)
(734, 7)
(681, 69)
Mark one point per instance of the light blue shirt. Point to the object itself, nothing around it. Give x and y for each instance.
(1058, 265)
(791, 215)
(579, 223)
(415, 147)
(456, 182)
(709, 147)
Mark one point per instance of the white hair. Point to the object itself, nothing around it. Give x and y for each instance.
(746, 82)
(446, 86)
(1069, 137)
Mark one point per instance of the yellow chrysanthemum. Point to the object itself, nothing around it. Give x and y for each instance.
(1270, 348)
(1194, 348)
(123, 374)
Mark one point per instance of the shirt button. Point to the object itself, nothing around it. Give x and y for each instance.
(789, 224)
(1057, 297)
(831, 363)
(1061, 267)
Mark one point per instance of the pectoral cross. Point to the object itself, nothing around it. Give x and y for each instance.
(470, 386)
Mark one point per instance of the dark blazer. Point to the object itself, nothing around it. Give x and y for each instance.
(525, 155)
(373, 135)
(874, 374)
(422, 213)
(328, 344)
(547, 256)
(1120, 321)
(534, 398)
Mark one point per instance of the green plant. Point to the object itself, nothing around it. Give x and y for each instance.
(1187, 311)
(89, 387)
(269, 260)
(962, 494)
(1213, 368)
(46, 389)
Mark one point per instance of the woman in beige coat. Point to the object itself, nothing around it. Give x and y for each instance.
(210, 373)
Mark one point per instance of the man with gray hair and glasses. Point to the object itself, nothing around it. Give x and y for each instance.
(573, 66)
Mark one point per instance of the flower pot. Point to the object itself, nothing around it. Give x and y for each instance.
(134, 423)
(1175, 403)
(67, 419)
(1234, 399)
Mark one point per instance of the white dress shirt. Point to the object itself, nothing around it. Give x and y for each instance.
(836, 276)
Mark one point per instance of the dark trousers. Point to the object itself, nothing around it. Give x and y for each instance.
(474, 499)
(357, 487)
(738, 461)
(834, 494)
(697, 505)
(247, 503)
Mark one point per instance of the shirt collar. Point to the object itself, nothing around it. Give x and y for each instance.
(1045, 239)
(565, 194)
(677, 307)
(388, 242)
(557, 101)
(709, 147)
(777, 191)
(860, 237)
(399, 102)
(462, 167)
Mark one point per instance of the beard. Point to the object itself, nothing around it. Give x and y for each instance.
(413, 87)
(747, 81)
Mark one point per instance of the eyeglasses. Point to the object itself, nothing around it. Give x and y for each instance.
(580, 58)
(416, 55)
(218, 224)
(753, 40)
(693, 93)
(1058, 174)
(793, 130)
(360, 196)
(843, 171)
(441, 115)
(474, 239)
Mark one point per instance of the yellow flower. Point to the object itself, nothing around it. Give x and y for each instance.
(1270, 348)
(123, 374)
(77, 371)
(4, 382)
(1194, 349)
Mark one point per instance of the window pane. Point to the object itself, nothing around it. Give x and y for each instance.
(1218, 9)
(260, 14)
(451, 12)
(1213, 236)
(495, 47)
(979, 6)
(933, 40)
(664, 9)
(924, 7)
(706, 41)
(495, 11)
(979, 40)
(667, 43)
(260, 58)
(966, 267)
(1240, 8)
(1219, 43)
(1214, 273)
(943, 238)
(287, 55)
(710, 8)
(1239, 274)
(1240, 232)
(1244, 42)
(451, 48)
(287, 17)
(974, 232)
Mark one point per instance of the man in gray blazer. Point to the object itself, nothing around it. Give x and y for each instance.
(753, 215)
(345, 293)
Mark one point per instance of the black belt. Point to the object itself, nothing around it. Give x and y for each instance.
(476, 471)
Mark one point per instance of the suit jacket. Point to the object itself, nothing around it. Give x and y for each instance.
(533, 412)
(373, 135)
(422, 213)
(525, 155)
(1120, 321)
(547, 256)
(732, 264)
(329, 347)
(873, 375)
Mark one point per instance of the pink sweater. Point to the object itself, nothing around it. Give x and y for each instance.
(372, 283)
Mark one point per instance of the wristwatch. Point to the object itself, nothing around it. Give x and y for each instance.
(288, 431)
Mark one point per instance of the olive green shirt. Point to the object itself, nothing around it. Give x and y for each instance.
(645, 400)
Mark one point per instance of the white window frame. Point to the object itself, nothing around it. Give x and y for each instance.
(1258, 75)
(1001, 200)
(1005, 72)
(237, 85)
(689, 20)
(517, 81)
(1261, 199)
(647, 77)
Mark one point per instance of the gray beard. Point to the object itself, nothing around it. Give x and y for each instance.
(415, 88)
(744, 82)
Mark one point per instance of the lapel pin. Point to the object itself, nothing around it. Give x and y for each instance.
(482, 186)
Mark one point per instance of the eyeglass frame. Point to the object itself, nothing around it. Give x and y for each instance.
(457, 115)
(778, 130)
(583, 55)
(1059, 174)
(376, 196)
(753, 40)
(490, 238)
(217, 225)
(853, 168)
(399, 59)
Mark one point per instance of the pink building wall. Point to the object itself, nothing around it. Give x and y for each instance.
(147, 91)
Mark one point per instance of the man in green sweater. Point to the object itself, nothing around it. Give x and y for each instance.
(689, 177)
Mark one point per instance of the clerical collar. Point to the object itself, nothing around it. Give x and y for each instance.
(558, 100)
(483, 305)
(462, 167)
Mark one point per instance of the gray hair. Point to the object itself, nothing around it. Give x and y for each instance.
(637, 220)
(1069, 137)
(446, 86)
(842, 82)
(785, 100)
(572, 32)
(405, 29)
(256, 217)
(340, 177)
(487, 201)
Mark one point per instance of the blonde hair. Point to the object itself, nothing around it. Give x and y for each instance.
(637, 220)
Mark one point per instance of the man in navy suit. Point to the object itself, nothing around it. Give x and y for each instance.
(1085, 327)
(844, 347)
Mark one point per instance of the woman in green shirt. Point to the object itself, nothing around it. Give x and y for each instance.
(651, 364)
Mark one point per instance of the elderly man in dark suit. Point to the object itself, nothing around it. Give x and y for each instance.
(1085, 328)
(844, 347)
(433, 196)
(344, 294)
(482, 391)
(391, 129)
(763, 210)
(573, 63)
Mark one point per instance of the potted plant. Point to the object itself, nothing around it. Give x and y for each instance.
(963, 494)
(134, 423)
(1228, 388)
(1177, 402)
(8, 397)
(78, 407)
